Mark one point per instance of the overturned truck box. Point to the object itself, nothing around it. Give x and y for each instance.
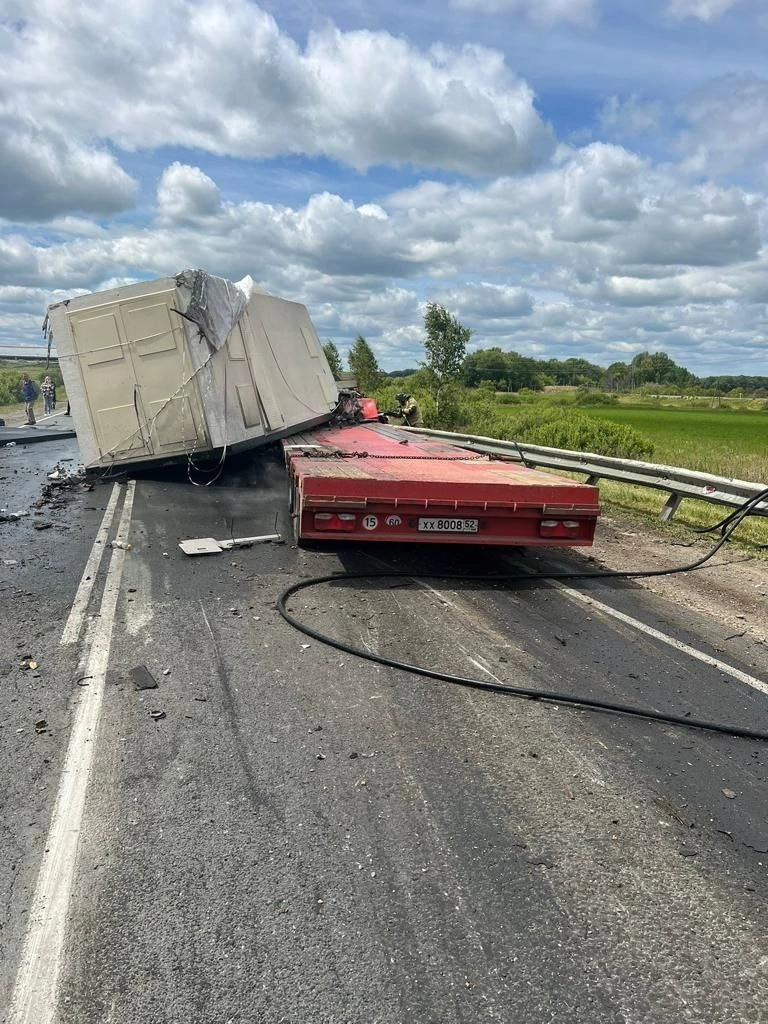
(187, 365)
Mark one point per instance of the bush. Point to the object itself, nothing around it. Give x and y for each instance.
(10, 387)
(477, 411)
(573, 431)
(584, 396)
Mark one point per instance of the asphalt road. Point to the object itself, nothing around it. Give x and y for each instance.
(282, 832)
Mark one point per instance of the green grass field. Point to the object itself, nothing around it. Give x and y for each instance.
(720, 441)
(724, 442)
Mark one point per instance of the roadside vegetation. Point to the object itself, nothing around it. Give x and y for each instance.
(10, 381)
(649, 409)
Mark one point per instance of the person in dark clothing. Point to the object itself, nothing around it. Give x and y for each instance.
(29, 393)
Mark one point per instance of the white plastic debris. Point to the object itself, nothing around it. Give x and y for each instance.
(210, 546)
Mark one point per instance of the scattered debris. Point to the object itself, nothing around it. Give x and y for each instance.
(122, 544)
(142, 678)
(61, 479)
(156, 715)
(729, 794)
(41, 726)
(28, 662)
(11, 517)
(210, 546)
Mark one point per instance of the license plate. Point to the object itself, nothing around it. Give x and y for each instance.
(449, 525)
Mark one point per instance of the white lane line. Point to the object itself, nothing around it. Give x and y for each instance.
(35, 994)
(76, 617)
(692, 652)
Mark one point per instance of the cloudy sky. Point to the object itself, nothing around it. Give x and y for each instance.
(568, 177)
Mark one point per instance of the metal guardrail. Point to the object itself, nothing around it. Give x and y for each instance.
(678, 483)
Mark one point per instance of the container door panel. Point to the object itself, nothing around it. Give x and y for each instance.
(172, 423)
(162, 369)
(262, 372)
(107, 370)
(240, 381)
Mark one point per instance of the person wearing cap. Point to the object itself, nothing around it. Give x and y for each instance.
(409, 410)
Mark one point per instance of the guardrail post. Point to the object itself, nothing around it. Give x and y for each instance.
(671, 506)
(593, 480)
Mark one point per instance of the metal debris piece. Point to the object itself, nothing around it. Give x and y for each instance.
(142, 678)
(210, 546)
(156, 715)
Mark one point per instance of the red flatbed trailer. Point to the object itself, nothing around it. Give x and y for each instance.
(375, 482)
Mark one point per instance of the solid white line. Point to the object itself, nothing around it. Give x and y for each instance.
(77, 613)
(692, 652)
(35, 994)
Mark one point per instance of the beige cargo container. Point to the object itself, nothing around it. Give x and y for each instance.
(187, 365)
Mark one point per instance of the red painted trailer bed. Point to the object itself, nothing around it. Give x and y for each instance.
(377, 482)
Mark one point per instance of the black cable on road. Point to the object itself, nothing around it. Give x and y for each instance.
(527, 693)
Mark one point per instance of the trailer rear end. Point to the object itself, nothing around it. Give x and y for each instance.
(375, 482)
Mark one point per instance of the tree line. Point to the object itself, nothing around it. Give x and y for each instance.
(446, 361)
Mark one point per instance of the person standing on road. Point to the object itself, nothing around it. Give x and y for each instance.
(29, 393)
(48, 389)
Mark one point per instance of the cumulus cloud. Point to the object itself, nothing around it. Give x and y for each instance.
(704, 10)
(600, 241)
(220, 76)
(727, 127)
(542, 12)
(602, 212)
(43, 173)
(487, 302)
(185, 195)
